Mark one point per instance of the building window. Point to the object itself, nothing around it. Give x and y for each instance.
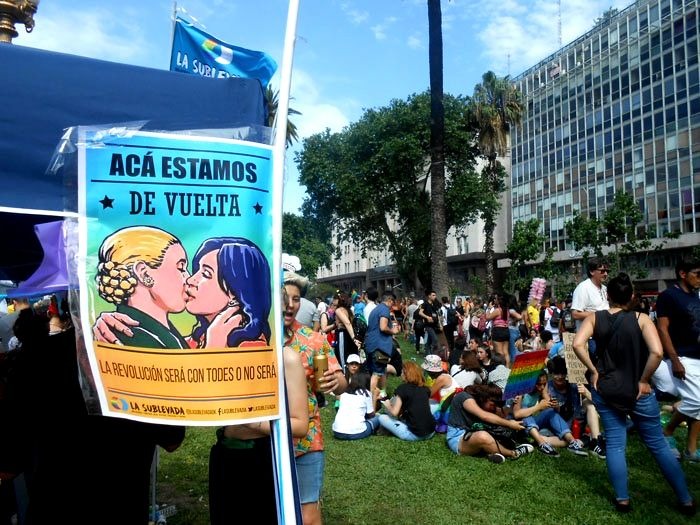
(462, 245)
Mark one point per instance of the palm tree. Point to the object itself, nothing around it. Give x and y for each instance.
(271, 101)
(496, 106)
(438, 246)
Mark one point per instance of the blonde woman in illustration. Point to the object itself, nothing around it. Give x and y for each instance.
(143, 271)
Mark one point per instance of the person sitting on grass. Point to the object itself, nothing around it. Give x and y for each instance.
(468, 372)
(484, 354)
(574, 401)
(546, 340)
(353, 365)
(440, 382)
(456, 353)
(532, 342)
(355, 418)
(537, 411)
(473, 424)
(408, 414)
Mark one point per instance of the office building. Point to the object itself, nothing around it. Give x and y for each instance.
(618, 109)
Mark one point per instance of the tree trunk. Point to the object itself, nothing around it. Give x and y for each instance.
(490, 225)
(437, 153)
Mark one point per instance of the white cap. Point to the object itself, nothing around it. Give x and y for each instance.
(291, 263)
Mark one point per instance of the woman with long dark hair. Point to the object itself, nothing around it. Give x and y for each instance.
(230, 273)
(345, 333)
(500, 334)
(473, 423)
(629, 351)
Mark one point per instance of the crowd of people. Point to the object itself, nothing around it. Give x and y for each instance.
(633, 354)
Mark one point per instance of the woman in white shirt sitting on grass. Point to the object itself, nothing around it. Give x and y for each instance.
(355, 418)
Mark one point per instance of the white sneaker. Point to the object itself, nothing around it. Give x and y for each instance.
(576, 447)
(523, 450)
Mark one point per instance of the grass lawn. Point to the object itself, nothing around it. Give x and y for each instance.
(383, 480)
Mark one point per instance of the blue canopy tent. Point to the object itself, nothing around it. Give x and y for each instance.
(46, 92)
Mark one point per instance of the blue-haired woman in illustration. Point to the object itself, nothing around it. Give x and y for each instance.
(229, 272)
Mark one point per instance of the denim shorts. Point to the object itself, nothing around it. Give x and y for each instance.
(373, 367)
(310, 476)
(454, 438)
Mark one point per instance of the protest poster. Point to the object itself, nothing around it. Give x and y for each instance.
(176, 237)
(523, 374)
(575, 369)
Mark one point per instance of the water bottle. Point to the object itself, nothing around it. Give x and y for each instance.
(576, 429)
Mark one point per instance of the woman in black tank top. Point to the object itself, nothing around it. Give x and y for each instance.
(628, 352)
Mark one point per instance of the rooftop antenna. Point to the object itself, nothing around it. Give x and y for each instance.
(559, 23)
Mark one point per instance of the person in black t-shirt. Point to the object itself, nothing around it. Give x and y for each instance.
(428, 312)
(408, 414)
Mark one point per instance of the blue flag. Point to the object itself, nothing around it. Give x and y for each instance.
(199, 53)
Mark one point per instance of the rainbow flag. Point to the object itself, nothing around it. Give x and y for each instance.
(523, 374)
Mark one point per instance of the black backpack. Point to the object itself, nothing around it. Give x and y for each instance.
(569, 322)
(359, 326)
(451, 315)
(554, 319)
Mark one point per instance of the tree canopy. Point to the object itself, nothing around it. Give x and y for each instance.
(620, 230)
(367, 183)
(302, 238)
(272, 103)
(495, 107)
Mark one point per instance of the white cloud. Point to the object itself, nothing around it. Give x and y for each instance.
(93, 33)
(378, 31)
(355, 15)
(317, 114)
(527, 30)
(414, 42)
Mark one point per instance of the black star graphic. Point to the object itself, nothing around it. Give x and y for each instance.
(258, 208)
(106, 203)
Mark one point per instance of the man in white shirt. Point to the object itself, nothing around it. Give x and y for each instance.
(591, 295)
(321, 305)
(550, 308)
(372, 296)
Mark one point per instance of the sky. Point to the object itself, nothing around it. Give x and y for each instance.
(350, 55)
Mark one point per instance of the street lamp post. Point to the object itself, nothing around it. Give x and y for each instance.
(16, 12)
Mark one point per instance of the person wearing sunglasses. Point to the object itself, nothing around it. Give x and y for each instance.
(591, 295)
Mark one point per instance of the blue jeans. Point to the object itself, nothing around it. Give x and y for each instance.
(514, 336)
(549, 419)
(431, 340)
(646, 418)
(400, 429)
(371, 427)
(310, 476)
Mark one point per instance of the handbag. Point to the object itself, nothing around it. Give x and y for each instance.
(504, 436)
(380, 357)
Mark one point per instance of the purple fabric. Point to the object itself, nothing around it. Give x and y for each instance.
(52, 274)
